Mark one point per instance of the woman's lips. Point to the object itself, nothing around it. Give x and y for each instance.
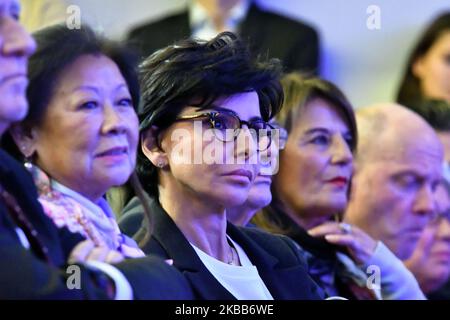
(113, 152)
(338, 181)
(441, 254)
(240, 174)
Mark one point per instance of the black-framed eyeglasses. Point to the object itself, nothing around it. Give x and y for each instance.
(227, 125)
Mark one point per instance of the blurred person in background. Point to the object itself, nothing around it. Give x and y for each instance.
(427, 76)
(265, 31)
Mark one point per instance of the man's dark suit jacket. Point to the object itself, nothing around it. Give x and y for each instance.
(25, 275)
(278, 261)
(296, 44)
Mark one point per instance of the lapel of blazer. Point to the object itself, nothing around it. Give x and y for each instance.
(19, 184)
(185, 259)
(283, 282)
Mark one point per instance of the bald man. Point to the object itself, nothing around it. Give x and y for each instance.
(397, 170)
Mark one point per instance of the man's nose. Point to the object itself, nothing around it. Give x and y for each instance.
(17, 42)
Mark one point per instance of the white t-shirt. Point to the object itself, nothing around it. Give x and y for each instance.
(243, 282)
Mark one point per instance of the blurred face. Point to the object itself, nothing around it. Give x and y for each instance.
(444, 137)
(217, 6)
(430, 262)
(393, 195)
(88, 138)
(316, 164)
(223, 182)
(433, 69)
(260, 194)
(16, 45)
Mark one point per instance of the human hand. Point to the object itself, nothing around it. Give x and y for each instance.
(131, 252)
(87, 251)
(417, 262)
(358, 243)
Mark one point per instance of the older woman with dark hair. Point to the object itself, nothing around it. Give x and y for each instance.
(204, 118)
(34, 251)
(310, 193)
(80, 136)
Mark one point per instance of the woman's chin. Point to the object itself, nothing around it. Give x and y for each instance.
(116, 180)
(337, 204)
(232, 198)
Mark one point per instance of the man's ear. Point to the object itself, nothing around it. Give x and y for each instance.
(151, 149)
(24, 138)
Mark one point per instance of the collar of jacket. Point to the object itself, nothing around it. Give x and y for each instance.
(277, 277)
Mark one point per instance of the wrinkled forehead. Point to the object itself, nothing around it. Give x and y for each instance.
(422, 161)
(411, 143)
(422, 148)
(390, 155)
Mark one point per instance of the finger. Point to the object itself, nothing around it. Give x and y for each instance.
(114, 257)
(131, 252)
(80, 252)
(342, 240)
(325, 228)
(98, 254)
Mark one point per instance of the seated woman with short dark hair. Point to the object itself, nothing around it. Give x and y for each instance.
(204, 121)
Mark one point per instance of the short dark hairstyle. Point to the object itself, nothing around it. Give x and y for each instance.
(299, 90)
(410, 92)
(195, 73)
(57, 48)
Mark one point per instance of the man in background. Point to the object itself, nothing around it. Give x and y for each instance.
(268, 33)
